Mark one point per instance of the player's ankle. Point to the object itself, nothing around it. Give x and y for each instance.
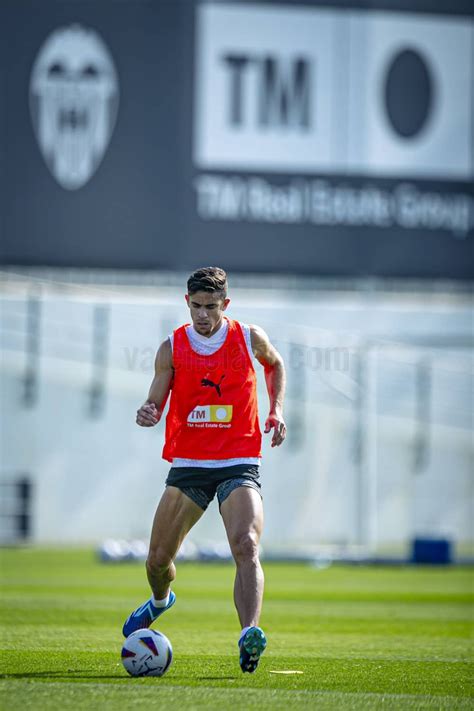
(244, 632)
(161, 602)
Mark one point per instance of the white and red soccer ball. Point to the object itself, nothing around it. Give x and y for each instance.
(147, 652)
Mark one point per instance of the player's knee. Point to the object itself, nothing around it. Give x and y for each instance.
(158, 561)
(245, 546)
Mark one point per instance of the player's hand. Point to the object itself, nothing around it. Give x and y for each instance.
(148, 415)
(276, 423)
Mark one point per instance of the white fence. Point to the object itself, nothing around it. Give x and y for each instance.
(379, 413)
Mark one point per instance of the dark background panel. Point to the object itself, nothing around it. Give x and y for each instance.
(139, 208)
(320, 249)
(122, 216)
(326, 251)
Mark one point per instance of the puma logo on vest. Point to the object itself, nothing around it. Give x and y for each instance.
(209, 383)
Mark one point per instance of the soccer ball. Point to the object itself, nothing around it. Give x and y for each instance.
(147, 653)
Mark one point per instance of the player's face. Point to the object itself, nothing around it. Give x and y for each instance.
(207, 311)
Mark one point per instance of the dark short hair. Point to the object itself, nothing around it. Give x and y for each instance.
(211, 279)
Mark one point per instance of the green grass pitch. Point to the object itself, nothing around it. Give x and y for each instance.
(364, 638)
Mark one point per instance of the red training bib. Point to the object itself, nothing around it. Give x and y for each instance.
(213, 411)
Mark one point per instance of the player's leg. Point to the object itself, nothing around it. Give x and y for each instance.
(242, 512)
(175, 516)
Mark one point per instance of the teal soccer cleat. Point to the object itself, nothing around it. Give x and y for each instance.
(144, 615)
(252, 645)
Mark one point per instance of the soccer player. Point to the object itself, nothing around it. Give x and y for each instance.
(213, 442)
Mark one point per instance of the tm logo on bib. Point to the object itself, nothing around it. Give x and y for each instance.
(210, 413)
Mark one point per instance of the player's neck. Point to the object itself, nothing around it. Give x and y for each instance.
(216, 328)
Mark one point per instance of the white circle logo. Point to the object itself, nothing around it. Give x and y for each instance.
(221, 413)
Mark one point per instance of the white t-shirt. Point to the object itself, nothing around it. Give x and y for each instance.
(208, 346)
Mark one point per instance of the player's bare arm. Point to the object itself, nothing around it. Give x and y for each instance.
(150, 412)
(275, 379)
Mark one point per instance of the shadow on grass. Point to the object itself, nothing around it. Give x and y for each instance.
(84, 674)
(61, 675)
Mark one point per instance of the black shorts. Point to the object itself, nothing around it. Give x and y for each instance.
(202, 483)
